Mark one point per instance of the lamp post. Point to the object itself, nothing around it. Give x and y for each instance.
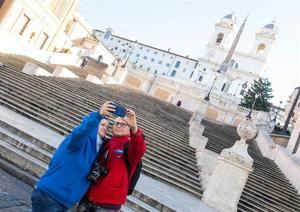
(130, 53)
(208, 94)
(284, 129)
(252, 106)
(274, 119)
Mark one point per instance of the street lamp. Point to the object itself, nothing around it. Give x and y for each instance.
(133, 47)
(208, 94)
(252, 106)
(274, 119)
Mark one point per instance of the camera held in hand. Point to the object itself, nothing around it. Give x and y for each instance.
(97, 171)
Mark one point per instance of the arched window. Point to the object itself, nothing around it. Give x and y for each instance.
(60, 9)
(219, 38)
(261, 48)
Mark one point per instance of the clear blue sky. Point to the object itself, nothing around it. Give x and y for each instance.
(186, 26)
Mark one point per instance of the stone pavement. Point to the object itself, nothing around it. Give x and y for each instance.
(14, 194)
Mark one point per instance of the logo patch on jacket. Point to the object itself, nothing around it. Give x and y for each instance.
(118, 152)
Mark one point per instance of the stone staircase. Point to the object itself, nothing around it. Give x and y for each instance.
(267, 189)
(59, 104)
(18, 61)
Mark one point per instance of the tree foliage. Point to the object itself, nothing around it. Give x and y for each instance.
(263, 89)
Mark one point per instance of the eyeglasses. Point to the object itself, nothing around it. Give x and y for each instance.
(121, 124)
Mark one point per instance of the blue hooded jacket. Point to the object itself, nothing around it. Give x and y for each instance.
(66, 178)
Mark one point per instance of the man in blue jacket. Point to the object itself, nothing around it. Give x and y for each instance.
(66, 180)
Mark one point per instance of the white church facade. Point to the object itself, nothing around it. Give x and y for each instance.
(243, 69)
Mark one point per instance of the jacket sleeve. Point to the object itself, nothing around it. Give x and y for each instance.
(136, 147)
(80, 133)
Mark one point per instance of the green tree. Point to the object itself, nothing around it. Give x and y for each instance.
(263, 89)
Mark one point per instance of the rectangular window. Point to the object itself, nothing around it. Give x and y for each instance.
(183, 70)
(200, 78)
(148, 69)
(173, 73)
(192, 74)
(112, 39)
(119, 41)
(160, 62)
(141, 48)
(242, 92)
(42, 40)
(168, 64)
(155, 52)
(148, 50)
(141, 66)
(152, 60)
(22, 24)
(155, 72)
(177, 64)
(137, 55)
(145, 57)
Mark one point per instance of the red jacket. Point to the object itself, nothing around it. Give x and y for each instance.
(113, 188)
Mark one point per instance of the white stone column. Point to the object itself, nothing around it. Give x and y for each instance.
(196, 139)
(229, 177)
(295, 135)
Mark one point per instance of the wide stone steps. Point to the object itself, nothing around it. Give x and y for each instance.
(43, 99)
(126, 101)
(22, 159)
(28, 161)
(160, 133)
(267, 189)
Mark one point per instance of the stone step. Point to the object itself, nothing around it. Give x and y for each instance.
(27, 137)
(26, 102)
(33, 116)
(192, 169)
(279, 189)
(89, 91)
(154, 203)
(270, 178)
(175, 173)
(171, 180)
(272, 198)
(266, 204)
(139, 205)
(126, 208)
(19, 173)
(22, 159)
(25, 146)
(42, 97)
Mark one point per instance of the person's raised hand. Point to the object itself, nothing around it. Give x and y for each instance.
(130, 120)
(107, 108)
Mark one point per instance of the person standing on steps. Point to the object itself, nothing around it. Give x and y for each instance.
(110, 189)
(66, 180)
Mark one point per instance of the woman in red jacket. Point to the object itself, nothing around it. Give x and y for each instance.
(110, 191)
